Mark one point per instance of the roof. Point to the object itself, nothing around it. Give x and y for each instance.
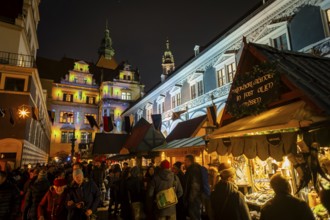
(309, 73)
(57, 69)
(144, 137)
(195, 142)
(186, 129)
(108, 143)
(107, 63)
(203, 49)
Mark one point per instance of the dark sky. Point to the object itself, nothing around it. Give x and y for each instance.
(138, 28)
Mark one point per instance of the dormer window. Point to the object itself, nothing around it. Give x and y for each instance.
(176, 95)
(161, 104)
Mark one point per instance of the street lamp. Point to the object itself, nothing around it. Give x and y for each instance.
(73, 140)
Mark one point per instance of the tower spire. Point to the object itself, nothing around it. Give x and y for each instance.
(167, 61)
(105, 48)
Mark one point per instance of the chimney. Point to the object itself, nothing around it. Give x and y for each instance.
(196, 49)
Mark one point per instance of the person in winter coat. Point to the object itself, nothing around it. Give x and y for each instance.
(115, 180)
(132, 192)
(35, 195)
(83, 197)
(52, 206)
(177, 170)
(283, 200)
(98, 176)
(148, 176)
(9, 198)
(165, 179)
(192, 196)
(227, 202)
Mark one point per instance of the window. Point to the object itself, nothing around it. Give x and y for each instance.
(90, 100)
(176, 100)
(86, 137)
(67, 97)
(160, 107)
(231, 70)
(105, 112)
(14, 84)
(126, 96)
(66, 136)
(128, 77)
(328, 16)
(66, 117)
(197, 89)
(148, 114)
(85, 119)
(221, 76)
(281, 42)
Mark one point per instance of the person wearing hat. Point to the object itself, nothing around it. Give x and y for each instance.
(165, 179)
(52, 206)
(227, 202)
(283, 200)
(83, 197)
(35, 194)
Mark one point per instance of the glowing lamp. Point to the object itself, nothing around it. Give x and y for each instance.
(23, 112)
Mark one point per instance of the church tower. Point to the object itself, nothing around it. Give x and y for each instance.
(167, 62)
(106, 49)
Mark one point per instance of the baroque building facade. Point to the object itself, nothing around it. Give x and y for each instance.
(25, 128)
(77, 89)
(298, 25)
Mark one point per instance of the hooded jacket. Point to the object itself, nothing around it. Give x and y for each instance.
(52, 205)
(165, 179)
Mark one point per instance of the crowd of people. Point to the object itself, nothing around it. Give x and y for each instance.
(164, 192)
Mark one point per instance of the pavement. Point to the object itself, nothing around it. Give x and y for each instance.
(102, 213)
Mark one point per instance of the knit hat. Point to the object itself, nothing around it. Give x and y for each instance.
(60, 182)
(227, 173)
(42, 175)
(165, 164)
(77, 172)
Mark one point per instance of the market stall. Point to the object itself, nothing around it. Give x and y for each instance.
(275, 101)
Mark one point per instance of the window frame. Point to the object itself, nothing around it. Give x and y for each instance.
(61, 120)
(223, 77)
(231, 74)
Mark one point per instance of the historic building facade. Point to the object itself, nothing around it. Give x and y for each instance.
(24, 122)
(77, 89)
(299, 25)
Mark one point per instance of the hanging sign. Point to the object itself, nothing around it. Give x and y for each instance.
(252, 91)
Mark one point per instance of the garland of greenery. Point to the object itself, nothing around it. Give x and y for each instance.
(257, 71)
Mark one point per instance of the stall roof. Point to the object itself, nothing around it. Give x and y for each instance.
(308, 72)
(144, 137)
(293, 115)
(108, 143)
(182, 143)
(186, 129)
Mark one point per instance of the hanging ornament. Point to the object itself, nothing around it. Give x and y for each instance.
(23, 112)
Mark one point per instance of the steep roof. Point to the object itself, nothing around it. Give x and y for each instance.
(309, 73)
(57, 69)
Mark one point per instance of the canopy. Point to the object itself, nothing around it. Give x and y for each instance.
(108, 143)
(196, 142)
(86, 128)
(293, 115)
(67, 127)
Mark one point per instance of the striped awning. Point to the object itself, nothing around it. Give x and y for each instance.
(194, 142)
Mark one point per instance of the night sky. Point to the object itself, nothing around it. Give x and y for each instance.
(138, 29)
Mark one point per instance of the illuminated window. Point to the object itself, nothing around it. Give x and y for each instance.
(90, 100)
(197, 89)
(149, 113)
(231, 70)
(85, 119)
(126, 96)
(14, 84)
(66, 136)
(67, 97)
(221, 77)
(281, 42)
(161, 107)
(66, 117)
(328, 16)
(86, 137)
(176, 100)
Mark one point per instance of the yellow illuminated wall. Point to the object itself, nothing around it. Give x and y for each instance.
(79, 94)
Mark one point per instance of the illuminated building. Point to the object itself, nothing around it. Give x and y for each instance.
(25, 128)
(167, 62)
(204, 79)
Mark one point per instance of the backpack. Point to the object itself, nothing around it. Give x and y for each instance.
(206, 190)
